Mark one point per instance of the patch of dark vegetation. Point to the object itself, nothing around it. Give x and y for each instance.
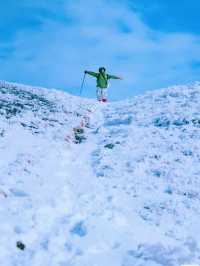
(50, 120)
(23, 101)
(31, 125)
(20, 245)
(164, 122)
(2, 133)
(181, 122)
(110, 146)
(161, 122)
(10, 108)
(79, 135)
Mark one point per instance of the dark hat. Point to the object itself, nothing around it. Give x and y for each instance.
(102, 69)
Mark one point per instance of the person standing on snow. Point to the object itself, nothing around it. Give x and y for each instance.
(102, 82)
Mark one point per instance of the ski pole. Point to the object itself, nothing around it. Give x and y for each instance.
(82, 84)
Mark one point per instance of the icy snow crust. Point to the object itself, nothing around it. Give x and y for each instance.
(127, 196)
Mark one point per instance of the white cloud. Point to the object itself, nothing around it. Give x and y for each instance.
(58, 54)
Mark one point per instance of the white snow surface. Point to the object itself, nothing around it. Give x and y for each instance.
(135, 202)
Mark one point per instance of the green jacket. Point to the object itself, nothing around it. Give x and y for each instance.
(102, 79)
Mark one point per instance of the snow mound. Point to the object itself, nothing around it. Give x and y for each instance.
(128, 195)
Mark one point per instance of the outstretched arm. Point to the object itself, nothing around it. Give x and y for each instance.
(113, 77)
(91, 73)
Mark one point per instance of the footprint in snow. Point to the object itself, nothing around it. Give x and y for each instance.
(18, 193)
(117, 122)
(79, 229)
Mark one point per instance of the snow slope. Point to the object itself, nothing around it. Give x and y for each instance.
(126, 196)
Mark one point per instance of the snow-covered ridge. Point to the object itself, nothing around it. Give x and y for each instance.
(40, 109)
(127, 196)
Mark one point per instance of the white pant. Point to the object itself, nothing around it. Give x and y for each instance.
(101, 94)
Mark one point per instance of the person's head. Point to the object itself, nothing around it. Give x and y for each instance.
(102, 70)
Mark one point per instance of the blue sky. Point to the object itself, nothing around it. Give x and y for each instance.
(49, 43)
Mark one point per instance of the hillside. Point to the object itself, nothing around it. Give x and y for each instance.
(124, 191)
